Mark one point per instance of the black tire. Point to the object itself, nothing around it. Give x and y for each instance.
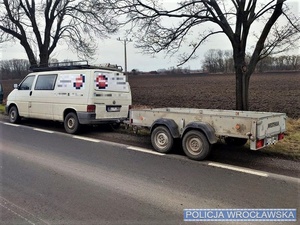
(115, 126)
(161, 139)
(71, 123)
(235, 141)
(13, 114)
(195, 145)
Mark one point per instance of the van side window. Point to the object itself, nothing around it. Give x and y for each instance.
(45, 82)
(27, 83)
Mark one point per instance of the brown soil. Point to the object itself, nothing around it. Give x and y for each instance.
(274, 92)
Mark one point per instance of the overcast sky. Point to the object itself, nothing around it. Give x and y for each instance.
(112, 51)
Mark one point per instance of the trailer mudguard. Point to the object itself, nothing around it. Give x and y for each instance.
(206, 128)
(169, 123)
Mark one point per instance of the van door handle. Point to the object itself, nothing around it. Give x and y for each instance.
(30, 93)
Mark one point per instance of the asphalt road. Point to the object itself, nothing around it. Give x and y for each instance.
(221, 153)
(54, 178)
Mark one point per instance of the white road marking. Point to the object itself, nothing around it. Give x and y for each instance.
(87, 139)
(18, 215)
(45, 131)
(12, 124)
(21, 212)
(144, 150)
(239, 169)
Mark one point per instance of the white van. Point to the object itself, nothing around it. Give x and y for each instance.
(73, 94)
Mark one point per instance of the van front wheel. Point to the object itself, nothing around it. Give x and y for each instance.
(13, 114)
(71, 123)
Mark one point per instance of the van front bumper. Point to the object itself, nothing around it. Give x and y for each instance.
(90, 118)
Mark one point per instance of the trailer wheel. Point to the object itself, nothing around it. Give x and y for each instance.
(161, 139)
(14, 116)
(71, 123)
(195, 145)
(235, 141)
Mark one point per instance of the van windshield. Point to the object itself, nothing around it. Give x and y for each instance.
(110, 81)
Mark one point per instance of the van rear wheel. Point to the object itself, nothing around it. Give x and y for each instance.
(71, 123)
(13, 114)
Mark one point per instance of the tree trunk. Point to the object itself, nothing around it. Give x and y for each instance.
(242, 87)
(29, 52)
(44, 59)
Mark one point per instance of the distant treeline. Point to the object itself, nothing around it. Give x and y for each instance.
(220, 61)
(215, 61)
(13, 69)
(17, 68)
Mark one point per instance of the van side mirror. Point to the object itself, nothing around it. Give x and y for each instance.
(16, 86)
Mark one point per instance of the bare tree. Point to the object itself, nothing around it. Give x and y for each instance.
(217, 60)
(39, 26)
(13, 68)
(273, 28)
(211, 61)
(229, 64)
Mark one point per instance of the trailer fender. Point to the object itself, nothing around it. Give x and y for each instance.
(169, 123)
(206, 128)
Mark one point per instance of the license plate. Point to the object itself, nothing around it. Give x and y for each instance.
(272, 140)
(113, 109)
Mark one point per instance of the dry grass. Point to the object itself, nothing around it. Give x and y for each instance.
(2, 108)
(290, 145)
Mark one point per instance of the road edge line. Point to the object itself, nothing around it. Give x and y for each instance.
(145, 150)
(238, 169)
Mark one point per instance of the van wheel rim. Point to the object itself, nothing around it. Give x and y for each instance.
(71, 123)
(13, 115)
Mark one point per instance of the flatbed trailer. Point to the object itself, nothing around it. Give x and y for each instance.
(199, 129)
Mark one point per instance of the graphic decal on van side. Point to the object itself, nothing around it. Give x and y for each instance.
(101, 82)
(104, 81)
(71, 81)
(79, 82)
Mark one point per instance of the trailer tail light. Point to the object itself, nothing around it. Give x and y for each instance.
(91, 108)
(260, 143)
(280, 136)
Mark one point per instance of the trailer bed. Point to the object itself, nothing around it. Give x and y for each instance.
(255, 126)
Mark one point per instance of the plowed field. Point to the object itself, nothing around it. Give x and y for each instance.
(276, 92)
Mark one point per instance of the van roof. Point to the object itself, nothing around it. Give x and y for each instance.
(74, 65)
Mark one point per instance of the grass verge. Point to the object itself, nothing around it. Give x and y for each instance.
(290, 145)
(2, 108)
